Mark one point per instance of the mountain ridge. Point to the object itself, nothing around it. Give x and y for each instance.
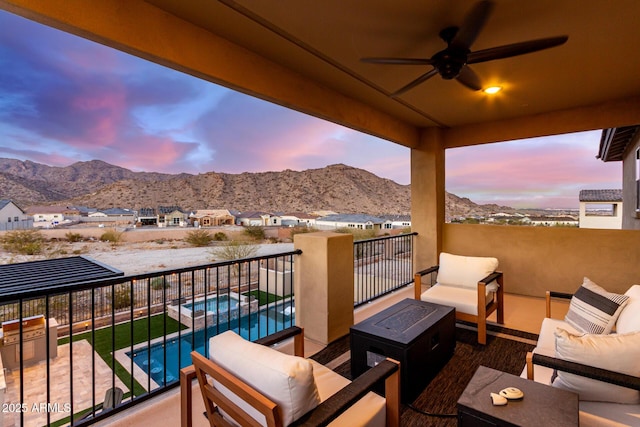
(340, 188)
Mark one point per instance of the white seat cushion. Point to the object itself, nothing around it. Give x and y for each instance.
(368, 411)
(465, 271)
(465, 300)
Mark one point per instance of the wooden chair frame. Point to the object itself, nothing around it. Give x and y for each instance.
(215, 401)
(484, 310)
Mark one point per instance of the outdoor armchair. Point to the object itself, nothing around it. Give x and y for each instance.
(253, 384)
(470, 284)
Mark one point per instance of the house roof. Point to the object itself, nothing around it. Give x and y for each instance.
(146, 212)
(614, 142)
(5, 202)
(117, 211)
(355, 218)
(50, 273)
(169, 209)
(600, 195)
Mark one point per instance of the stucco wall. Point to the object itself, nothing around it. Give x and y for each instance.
(536, 259)
(630, 220)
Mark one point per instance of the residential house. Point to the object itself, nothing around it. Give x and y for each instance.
(298, 219)
(146, 216)
(553, 221)
(262, 219)
(622, 144)
(211, 218)
(171, 216)
(12, 217)
(49, 216)
(601, 209)
(305, 59)
(353, 221)
(398, 221)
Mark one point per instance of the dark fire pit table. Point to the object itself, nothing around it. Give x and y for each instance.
(418, 334)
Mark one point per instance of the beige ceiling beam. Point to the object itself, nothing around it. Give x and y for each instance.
(622, 112)
(141, 29)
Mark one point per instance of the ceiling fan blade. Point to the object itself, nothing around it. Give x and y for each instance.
(416, 82)
(469, 78)
(473, 23)
(515, 49)
(397, 61)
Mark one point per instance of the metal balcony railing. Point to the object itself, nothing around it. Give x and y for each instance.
(382, 265)
(78, 353)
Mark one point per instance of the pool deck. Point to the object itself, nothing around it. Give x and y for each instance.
(35, 395)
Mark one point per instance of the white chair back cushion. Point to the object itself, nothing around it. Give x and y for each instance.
(285, 379)
(464, 271)
(629, 319)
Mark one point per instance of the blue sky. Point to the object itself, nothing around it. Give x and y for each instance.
(65, 99)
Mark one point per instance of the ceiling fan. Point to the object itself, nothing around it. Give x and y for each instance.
(453, 62)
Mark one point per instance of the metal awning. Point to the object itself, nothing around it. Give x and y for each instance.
(46, 274)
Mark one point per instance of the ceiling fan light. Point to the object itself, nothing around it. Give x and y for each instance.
(492, 89)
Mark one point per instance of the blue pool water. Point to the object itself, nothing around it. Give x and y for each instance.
(220, 303)
(163, 362)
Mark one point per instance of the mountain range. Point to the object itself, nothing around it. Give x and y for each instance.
(97, 184)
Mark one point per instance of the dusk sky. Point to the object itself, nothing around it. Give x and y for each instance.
(64, 99)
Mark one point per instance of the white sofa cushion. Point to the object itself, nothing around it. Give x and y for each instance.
(594, 310)
(369, 411)
(285, 379)
(615, 352)
(465, 271)
(629, 319)
(464, 300)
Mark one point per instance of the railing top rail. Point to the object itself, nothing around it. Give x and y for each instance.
(413, 233)
(10, 295)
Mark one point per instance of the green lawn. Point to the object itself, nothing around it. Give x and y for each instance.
(109, 339)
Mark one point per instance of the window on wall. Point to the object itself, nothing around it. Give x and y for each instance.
(601, 209)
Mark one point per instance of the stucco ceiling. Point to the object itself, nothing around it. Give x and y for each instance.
(324, 40)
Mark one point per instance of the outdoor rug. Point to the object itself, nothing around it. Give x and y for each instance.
(505, 352)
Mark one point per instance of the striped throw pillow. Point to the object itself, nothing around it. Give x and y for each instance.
(594, 310)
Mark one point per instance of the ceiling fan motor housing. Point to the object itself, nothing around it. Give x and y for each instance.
(450, 61)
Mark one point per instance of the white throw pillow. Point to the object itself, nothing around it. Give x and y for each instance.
(285, 379)
(614, 352)
(465, 271)
(594, 310)
(629, 319)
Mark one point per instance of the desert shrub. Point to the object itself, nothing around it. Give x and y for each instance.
(199, 238)
(358, 234)
(73, 237)
(235, 250)
(121, 297)
(112, 236)
(25, 242)
(255, 232)
(301, 229)
(220, 237)
(158, 283)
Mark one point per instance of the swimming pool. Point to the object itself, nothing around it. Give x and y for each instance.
(212, 309)
(214, 304)
(163, 361)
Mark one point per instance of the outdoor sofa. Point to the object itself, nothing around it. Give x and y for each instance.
(595, 352)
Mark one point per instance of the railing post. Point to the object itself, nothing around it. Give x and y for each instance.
(323, 284)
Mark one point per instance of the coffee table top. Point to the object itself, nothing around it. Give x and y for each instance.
(403, 322)
(542, 405)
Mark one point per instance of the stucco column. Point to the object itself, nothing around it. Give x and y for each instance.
(428, 197)
(323, 285)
